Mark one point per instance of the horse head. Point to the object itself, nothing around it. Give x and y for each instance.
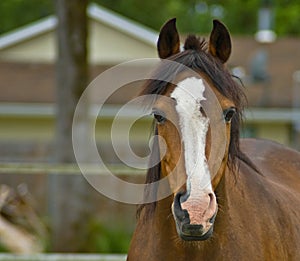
(184, 124)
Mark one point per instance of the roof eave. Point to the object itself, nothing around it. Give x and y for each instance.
(34, 29)
(123, 24)
(95, 12)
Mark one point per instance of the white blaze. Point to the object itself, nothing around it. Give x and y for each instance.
(193, 125)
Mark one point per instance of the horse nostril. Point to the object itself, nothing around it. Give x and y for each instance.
(211, 196)
(211, 205)
(180, 213)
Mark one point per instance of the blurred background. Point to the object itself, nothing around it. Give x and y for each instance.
(50, 50)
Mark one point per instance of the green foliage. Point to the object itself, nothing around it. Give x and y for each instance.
(193, 15)
(288, 18)
(16, 13)
(103, 238)
(3, 249)
(241, 16)
(196, 15)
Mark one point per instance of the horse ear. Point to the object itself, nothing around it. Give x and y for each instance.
(220, 42)
(168, 40)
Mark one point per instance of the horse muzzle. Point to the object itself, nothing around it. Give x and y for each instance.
(189, 227)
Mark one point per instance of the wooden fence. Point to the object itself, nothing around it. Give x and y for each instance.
(48, 168)
(21, 168)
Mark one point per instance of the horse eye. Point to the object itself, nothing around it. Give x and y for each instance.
(159, 117)
(229, 113)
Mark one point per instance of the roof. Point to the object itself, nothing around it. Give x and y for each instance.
(27, 32)
(95, 12)
(123, 24)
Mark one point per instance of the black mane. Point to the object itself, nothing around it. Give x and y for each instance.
(198, 59)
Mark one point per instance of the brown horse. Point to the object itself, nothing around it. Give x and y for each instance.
(249, 209)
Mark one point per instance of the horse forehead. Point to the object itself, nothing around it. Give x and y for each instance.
(199, 88)
(189, 91)
(192, 89)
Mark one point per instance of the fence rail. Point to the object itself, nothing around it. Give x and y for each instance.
(48, 168)
(63, 257)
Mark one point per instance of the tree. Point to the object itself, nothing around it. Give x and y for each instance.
(67, 193)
